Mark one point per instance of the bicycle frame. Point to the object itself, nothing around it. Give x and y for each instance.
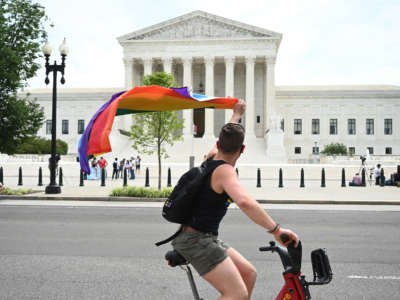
(296, 287)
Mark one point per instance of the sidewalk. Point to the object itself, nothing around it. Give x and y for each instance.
(267, 193)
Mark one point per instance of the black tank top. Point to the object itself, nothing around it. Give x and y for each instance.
(210, 207)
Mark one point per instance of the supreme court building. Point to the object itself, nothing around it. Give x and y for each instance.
(222, 57)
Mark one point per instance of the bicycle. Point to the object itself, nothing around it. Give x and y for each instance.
(295, 287)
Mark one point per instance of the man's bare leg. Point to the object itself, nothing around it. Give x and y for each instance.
(246, 269)
(226, 278)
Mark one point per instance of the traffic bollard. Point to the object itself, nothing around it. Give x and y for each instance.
(147, 184)
(169, 177)
(343, 178)
(40, 183)
(81, 176)
(20, 176)
(363, 177)
(60, 177)
(382, 178)
(125, 178)
(280, 178)
(323, 178)
(258, 177)
(103, 177)
(302, 178)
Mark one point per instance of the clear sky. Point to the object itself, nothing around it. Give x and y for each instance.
(324, 42)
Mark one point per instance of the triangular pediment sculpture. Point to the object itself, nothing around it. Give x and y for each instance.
(199, 25)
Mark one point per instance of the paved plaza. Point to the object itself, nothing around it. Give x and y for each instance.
(269, 190)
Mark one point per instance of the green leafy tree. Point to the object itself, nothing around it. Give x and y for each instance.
(21, 34)
(153, 131)
(335, 149)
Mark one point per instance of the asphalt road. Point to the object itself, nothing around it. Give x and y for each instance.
(109, 253)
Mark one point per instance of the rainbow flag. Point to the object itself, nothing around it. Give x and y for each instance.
(95, 141)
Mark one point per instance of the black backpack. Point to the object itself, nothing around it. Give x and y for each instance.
(178, 207)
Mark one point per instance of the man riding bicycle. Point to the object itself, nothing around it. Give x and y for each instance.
(221, 265)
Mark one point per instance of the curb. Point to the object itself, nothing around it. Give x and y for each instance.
(134, 199)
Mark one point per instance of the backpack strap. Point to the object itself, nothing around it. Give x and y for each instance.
(167, 240)
(207, 171)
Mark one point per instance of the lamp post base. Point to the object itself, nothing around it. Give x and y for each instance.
(53, 189)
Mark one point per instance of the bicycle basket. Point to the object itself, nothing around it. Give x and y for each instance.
(321, 267)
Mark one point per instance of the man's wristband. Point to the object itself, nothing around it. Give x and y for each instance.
(276, 228)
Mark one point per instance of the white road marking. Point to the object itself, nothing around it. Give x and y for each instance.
(70, 203)
(378, 277)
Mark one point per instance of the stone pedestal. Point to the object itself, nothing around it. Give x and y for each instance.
(274, 142)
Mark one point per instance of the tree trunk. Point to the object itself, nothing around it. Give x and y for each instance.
(159, 165)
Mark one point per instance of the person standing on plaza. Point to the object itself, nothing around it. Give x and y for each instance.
(377, 173)
(128, 167)
(103, 165)
(115, 169)
(121, 168)
(218, 263)
(137, 165)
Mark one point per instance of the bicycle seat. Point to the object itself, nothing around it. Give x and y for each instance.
(174, 258)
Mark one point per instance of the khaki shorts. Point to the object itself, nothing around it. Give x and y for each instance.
(203, 250)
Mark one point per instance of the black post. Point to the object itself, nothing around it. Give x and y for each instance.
(237, 172)
(363, 177)
(323, 178)
(398, 170)
(81, 176)
(125, 177)
(20, 176)
(280, 178)
(103, 177)
(53, 187)
(169, 177)
(40, 183)
(382, 178)
(147, 184)
(302, 178)
(343, 178)
(60, 177)
(258, 178)
(1, 175)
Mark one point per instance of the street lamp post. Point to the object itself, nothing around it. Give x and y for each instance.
(53, 187)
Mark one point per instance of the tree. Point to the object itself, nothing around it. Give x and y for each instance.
(21, 34)
(335, 149)
(152, 131)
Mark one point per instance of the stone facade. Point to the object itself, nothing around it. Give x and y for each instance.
(222, 57)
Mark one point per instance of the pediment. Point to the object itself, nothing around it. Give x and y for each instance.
(199, 25)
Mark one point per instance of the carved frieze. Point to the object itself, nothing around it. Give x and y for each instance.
(199, 27)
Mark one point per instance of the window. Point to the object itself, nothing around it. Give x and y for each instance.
(297, 150)
(64, 127)
(49, 126)
(315, 126)
(315, 150)
(351, 126)
(333, 126)
(258, 119)
(81, 126)
(352, 150)
(388, 150)
(297, 126)
(370, 126)
(370, 150)
(388, 126)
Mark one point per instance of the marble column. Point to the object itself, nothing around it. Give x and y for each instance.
(128, 62)
(250, 99)
(167, 64)
(269, 92)
(209, 113)
(229, 82)
(187, 81)
(148, 65)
